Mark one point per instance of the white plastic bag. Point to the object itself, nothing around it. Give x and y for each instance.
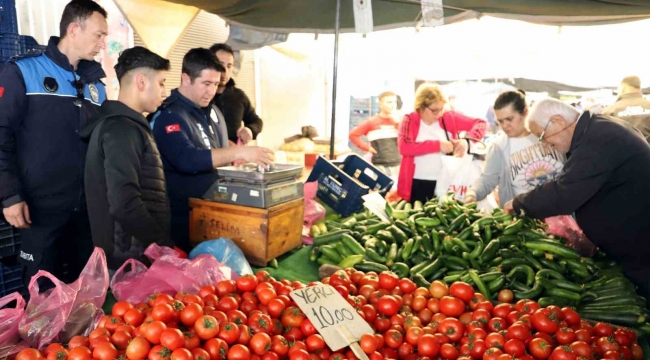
(457, 175)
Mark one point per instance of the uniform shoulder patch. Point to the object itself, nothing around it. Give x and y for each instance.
(172, 128)
(2, 91)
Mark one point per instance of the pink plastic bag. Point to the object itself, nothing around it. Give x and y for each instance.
(168, 274)
(133, 286)
(566, 226)
(9, 320)
(66, 310)
(314, 211)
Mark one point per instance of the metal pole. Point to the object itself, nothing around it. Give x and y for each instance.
(337, 26)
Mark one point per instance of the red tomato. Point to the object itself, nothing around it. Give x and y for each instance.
(515, 347)
(527, 306)
(621, 337)
(387, 305)
(260, 343)
(492, 354)
(519, 331)
(80, 353)
(481, 315)
(462, 290)
(308, 328)
(545, 321)
(105, 351)
(407, 286)
(451, 306)
(393, 338)
(602, 329)
(121, 339)
(240, 352)
(206, 327)
(495, 340)
(388, 280)
(565, 336)
(497, 324)
(607, 343)
(563, 353)
(368, 343)
(246, 283)
(502, 310)
(570, 316)
(163, 312)
(584, 335)
(581, 348)
(540, 348)
(448, 352)
(153, 331)
(428, 345)
(228, 332)
(315, 342)
(29, 354)
(452, 328)
(292, 316)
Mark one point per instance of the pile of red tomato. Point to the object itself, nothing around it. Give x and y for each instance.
(255, 318)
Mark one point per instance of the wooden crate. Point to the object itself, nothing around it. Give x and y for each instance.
(262, 234)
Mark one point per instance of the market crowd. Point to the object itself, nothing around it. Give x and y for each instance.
(78, 170)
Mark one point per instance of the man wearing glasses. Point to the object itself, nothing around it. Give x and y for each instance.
(605, 183)
(44, 102)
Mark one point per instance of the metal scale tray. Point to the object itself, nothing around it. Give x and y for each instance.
(248, 185)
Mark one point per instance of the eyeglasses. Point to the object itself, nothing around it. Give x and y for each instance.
(435, 111)
(541, 137)
(79, 86)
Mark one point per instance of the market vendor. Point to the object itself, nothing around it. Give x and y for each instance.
(45, 100)
(605, 183)
(192, 137)
(631, 106)
(381, 132)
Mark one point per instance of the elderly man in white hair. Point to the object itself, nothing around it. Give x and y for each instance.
(605, 183)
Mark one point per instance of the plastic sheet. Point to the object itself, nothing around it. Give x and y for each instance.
(225, 251)
(566, 226)
(66, 310)
(9, 321)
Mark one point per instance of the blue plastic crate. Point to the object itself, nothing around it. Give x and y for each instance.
(29, 46)
(10, 46)
(342, 184)
(8, 19)
(10, 240)
(11, 279)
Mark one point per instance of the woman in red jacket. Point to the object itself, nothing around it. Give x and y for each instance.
(424, 136)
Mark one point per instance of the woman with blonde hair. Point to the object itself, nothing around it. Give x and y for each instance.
(425, 135)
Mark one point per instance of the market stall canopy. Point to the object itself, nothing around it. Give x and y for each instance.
(317, 16)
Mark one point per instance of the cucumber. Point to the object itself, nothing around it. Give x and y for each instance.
(331, 253)
(329, 238)
(314, 231)
(373, 256)
(342, 249)
(400, 205)
(620, 319)
(352, 244)
(400, 269)
(371, 266)
(429, 269)
(399, 235)
(391, 255)
(437, 275)
(553, 248)
(563, 293)
(617, 309)
(322, 227)
(420, 281)
(381, 247)
(386, 236)
(324, 260)
(350, 261)
(547, 301)
(615, 300)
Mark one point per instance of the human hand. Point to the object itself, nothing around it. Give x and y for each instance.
(446, 147)
(18, 215)
(470, 199)
(245, 134)
(460, 147)
(508, 208)
(372, 151)
(256, 154)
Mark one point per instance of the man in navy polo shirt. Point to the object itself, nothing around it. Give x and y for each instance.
(192, 137)
(44, 101)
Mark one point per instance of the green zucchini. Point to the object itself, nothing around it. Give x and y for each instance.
(329, 238)
(352, 244)
(401, 269)
(371, 266)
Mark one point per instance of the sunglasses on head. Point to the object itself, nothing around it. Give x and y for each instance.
(79, 86)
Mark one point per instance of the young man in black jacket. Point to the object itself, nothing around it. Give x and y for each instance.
(125, 182)
(233, 102)
(604, 182)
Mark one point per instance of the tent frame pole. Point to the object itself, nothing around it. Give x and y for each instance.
(337, 26)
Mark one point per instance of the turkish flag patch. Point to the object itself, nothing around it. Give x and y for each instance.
(172, 128)
(2, 91)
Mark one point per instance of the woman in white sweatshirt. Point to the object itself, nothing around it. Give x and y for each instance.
(517, 161)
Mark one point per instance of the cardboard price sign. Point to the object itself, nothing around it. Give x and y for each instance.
(332, 316)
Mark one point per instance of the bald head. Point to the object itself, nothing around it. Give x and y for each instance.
(631, 84)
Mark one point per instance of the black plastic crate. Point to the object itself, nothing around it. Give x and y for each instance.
(11, 279)
(342, 184)
(11, 45)
(8, 19)
(9, 240)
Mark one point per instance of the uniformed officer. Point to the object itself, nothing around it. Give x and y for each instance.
(45, 101)
(192, 137)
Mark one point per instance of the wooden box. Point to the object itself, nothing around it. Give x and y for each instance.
(262, 234)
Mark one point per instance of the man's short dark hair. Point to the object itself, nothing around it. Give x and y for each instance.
(78, 10)
(139, 57)
(222, 47)
(199, 59)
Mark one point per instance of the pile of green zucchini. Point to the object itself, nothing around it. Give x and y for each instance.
(446, 240)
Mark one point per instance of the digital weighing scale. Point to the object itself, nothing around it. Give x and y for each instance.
(253, 186)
